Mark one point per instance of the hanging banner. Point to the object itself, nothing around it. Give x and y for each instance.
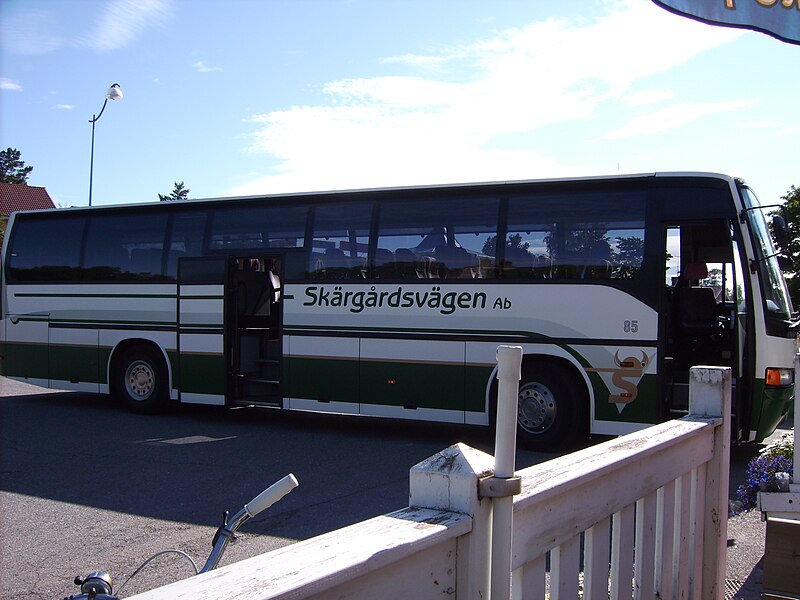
(778, 18)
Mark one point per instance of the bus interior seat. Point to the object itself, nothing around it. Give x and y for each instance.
(316, 264)
(697, 310)
(337, 266)
(543, 266)
(697, 306)
(430, 267)
(456, 261)
(519, 261)
(597, 263)
(384, 263)
(693, 272)
(408, 264)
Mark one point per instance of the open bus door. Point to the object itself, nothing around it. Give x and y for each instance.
(704, 313)
(254, 330)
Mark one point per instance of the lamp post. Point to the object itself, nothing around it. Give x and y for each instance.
(113, 93)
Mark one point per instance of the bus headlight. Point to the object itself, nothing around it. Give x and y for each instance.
(776, 377)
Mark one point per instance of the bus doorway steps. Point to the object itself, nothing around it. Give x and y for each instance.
(258, 388)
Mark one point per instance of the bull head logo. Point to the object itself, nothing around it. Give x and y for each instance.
(629, 367)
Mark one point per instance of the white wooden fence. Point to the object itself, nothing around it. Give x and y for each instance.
(641, 516)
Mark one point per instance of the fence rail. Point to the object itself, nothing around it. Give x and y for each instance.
(642, 516)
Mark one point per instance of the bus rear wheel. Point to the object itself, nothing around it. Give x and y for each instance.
(141, 381)
(550, 413)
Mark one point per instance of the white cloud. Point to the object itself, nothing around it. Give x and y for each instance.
(64, 106)
(29, 31)
(646, 97)
(672, 117)
(122, 21)
(201, 67)
(758, 124)
(10, 85)
(416, 129)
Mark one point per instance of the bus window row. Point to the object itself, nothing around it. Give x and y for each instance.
(556, 236)
(456, 262)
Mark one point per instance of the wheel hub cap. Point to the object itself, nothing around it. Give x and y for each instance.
(140, 380)
(536, 409)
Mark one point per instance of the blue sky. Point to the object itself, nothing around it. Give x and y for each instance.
(245, 97)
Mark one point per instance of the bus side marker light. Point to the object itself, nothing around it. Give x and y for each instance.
(776, 377)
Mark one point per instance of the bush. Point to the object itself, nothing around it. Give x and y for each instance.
(761, 471)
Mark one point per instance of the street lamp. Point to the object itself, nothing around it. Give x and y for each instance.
(113, 93)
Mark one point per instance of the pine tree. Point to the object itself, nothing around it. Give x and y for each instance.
(178, 193)
(12, 169)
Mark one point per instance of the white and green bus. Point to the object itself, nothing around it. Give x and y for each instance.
(392, 302)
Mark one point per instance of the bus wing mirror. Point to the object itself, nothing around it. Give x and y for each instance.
(780, 232)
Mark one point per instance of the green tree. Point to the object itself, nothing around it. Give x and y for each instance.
(514, 241)
(179, 192)
(12, 169)
(576, 242)
(629, 256)
(791, 212)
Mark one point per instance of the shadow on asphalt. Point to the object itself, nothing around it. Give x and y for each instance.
(88, 450)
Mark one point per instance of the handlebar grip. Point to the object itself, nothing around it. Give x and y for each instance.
(271, 495)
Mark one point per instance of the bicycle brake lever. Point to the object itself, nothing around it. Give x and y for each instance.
(221, 528)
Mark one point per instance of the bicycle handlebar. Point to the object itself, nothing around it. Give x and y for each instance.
(271, 495)
(228, 528)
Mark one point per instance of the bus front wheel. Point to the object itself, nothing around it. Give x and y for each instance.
(141, 381)
(550, 412)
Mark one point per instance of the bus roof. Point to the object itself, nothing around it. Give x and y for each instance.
(390, 189)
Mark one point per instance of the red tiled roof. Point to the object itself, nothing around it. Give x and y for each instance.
(22, 197)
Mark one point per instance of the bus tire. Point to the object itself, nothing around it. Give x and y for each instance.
(550, 408)
(141, 381)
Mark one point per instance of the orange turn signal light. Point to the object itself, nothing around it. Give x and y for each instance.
(776, 377)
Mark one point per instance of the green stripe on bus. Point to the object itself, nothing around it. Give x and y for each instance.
(295, 329)
(86, 295)
(127, 323)
(25, 360)
(391, 383)
(53, 361)
(202, 373)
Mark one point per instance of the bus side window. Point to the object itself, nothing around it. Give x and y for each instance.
(45, 250)
(340, 241)
(450, 237)
(188, 229)
(110, 243)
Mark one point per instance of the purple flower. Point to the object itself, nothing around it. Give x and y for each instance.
(761, 475)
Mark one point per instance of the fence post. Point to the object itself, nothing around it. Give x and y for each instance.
(710, 396)
(509, 365)
(449, 481)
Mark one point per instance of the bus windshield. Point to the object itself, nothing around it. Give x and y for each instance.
(776, 293)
